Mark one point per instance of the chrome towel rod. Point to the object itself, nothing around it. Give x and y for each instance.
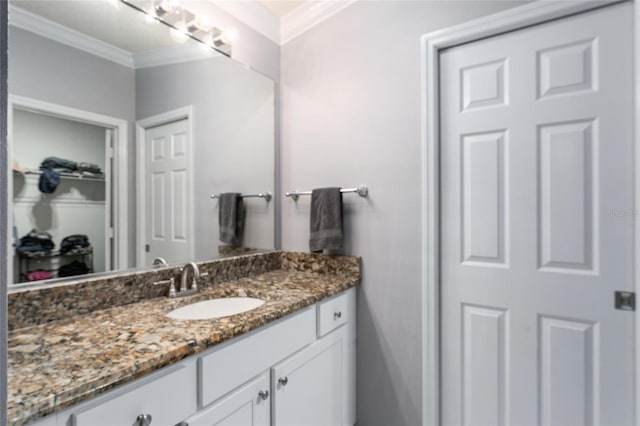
(362, 191)
(266, 195)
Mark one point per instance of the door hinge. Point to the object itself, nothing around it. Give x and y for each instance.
(625, 300)
(147, 248)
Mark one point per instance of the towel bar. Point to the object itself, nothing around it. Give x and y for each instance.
(266, 195)
(362, 191)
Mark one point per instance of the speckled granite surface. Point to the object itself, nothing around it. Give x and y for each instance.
(60, 363)
(39, 305)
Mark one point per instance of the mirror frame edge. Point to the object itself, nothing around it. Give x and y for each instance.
(4, 215)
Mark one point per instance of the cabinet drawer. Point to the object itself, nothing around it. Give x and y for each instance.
(169, 396)
(247, 356)
(333, 313)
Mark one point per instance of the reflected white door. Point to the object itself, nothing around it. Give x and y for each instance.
(168, 200)
(537, 226)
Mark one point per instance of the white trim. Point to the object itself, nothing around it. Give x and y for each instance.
(307, 16)
(636, 145)
(28, 21)
(255, 16)
(120, 181)
(173, 55)
(509, 20)
(141, 216)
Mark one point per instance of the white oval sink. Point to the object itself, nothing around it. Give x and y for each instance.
(216, 308)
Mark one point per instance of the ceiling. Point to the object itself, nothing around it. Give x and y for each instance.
(280, 7)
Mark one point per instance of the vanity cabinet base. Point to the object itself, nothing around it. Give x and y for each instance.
(289, 373)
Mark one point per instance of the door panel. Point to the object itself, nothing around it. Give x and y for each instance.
(536, 202)
(168, 195)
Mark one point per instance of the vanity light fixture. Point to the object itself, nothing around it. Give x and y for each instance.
(199, 24)
(184, 23)
(161, 8)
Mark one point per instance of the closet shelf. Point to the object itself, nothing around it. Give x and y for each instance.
(76, 176)
(55, 253)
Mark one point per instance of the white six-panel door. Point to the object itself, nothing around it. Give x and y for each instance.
(168, 199)
(537, 225)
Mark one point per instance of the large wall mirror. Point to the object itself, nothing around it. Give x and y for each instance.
(121, 130)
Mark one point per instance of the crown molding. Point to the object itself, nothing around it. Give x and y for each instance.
(307, 16)
(254, 15)
(171, 55)
(28, 21)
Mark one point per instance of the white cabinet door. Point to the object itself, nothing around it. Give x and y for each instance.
(247, 406)
(309, 387)
(538, 223)
(167, 397)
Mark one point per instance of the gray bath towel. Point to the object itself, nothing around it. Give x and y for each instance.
(326, 219)
(231, 218)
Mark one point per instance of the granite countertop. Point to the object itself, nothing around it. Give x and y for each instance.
(56, 365)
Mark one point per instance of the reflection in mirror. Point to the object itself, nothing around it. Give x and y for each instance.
(121, 130)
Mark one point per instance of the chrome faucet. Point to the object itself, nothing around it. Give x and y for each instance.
(183, 278)
(184, 290)
(159, 261)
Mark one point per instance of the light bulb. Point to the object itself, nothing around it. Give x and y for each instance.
(176, 5)
(162, 7)
(229, 36)
(199, 23)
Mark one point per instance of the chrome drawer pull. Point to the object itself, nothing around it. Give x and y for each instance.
(337, 315)
(263, 394)
(283, 381)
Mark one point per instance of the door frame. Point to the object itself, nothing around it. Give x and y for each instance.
(510, 20)
(184, 113)
(119, 176)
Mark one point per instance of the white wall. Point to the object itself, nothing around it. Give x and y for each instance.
(76, 206)
(351, 114)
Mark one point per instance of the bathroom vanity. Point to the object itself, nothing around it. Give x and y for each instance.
(290, 361)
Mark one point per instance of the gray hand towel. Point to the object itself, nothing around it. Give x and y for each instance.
(326, 219)
(231, 218)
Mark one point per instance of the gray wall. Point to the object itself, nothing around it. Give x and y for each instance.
(350, 91)
(43, 69)
(233, 139)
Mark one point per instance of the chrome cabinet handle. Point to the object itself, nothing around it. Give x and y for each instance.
(143, 420)
(263, 394)
(283, 381)
(337, 315)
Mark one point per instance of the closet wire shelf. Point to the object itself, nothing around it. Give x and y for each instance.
(64, 175)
